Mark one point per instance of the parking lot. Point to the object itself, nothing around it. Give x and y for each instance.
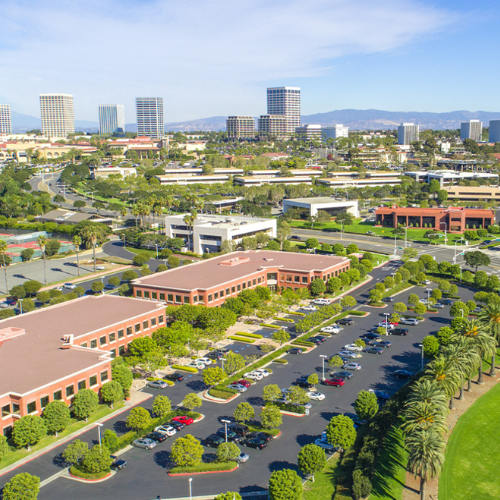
(146, 473)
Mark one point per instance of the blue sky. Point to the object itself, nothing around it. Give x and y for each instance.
(218, 57)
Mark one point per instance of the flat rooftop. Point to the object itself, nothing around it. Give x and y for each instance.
(322, 200)
(215, 272)
(35, 358)
(226, 221)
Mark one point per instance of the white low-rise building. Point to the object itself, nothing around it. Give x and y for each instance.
(209, 231)
(329, 205)
(105, 172)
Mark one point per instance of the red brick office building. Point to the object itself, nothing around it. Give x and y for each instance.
(210, 282)
(52, 353)
(453, 219)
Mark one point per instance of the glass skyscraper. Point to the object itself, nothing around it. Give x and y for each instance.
(111, 119)
(150, 117)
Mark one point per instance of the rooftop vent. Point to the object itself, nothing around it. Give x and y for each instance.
(10, 333)
(234, 262)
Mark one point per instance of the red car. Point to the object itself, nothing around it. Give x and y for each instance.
(244, 382)
(183, 420)
(336, 382)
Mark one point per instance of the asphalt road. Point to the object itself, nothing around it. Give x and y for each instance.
(145, 477)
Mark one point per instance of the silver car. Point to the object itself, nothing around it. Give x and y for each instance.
(146, 443)
(242, 458)
(157, 384)
(352, 366)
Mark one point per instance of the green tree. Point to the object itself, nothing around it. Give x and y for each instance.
(97, 460)
(138, 418)
(271, 392)
(270, 417)
(111, 392)
(141, 259)
(27, 254)
(281, 336)
(311, 459)
(43, 297)
(476, 259)
(85, 403)
(420, 308)
(28, 430)
(431, 346)
(123, 376)
(413, 299)
(186, 451)
(400, 307)
(22, 486)
(409, 254)
(443, 335)
(366, 405)
(97, 286)
(346, 217)
(32, 287)
(233, 363)
(213, 375)
(313, 379)
(318, 287)
(312, 243)
(244, 412)
(297, 395)
(79, 291)
(285, 484)
(114, 281)
(28, 305)
(340, 432)
(335, 361)
(161, 406)
(352, 248)
(56, 416)
(230, 495)
(18, 292)
(173, 261)
(4, 447)
(75, 452)
(191, 401)
(129, 275)
(436, 294)
(459, 310)
(227, 452)
(110, 440)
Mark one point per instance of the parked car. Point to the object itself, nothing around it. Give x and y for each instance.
(352, 347)
(108, 286)
(309, 308)
(265, 436)
(304, 384)
(373, 350)
(157, 384)
(323, 443)
(178, 426)
(240, 429)
(182, 418)
(205, 361)
(381, 395)
(238, 387)
(159, 437)
(295, 237)
(242, 458)
(69, 286)
(426, 282)
(438, 305)
(400, 331)
(335, 382)
(100, 268)
(175, 377)
(384, 324)
(214, 440)
(196, 364)
(315, 340)
(447, 302)
(352, 366)
(145, 443)
(409, 321)
(321, 302)
(357, 421)
(343, 375)
(295, 350)
(478, 309)
(403, 374)
(371, 336)
(383, 343)
(345, 321)
(315, 396)
(215, 355)
(333, 329)
(254, 376)
(118, 465)
(263, 371)
(258, 444)
(389, 299)
(166, 429)
(349, 354)
(231, 435)
(244, 382)
(223, 350)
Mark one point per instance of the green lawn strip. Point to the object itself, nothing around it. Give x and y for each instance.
(473, 452)
(74, 426)
(325, 483)
(390, 471)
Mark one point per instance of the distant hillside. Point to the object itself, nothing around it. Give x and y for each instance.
(213, 123)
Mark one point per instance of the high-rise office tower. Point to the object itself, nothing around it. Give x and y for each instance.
(285, 101)
(494, 131)
(58, 115)
(5, 121)
(407, 133)
(473, 129)
(150, 116)
(240, 127)
(111, 119)
(273, 125)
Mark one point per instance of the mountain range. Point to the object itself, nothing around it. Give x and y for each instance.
(355, 119)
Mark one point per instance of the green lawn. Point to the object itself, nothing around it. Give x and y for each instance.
(390, 473)
(473, 453)
(75, 425)
(324, 484)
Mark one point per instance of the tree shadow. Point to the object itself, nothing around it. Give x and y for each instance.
(256, 401)
(304, 439)
(120, 427)
(59, 461)
(196, 385)
(283, 464)
(162, 458)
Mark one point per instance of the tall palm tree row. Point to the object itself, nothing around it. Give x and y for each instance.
(490, 317)
(42, 243)
(3, 250)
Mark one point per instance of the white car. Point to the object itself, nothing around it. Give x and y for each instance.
(100, 268)
(352, 366)
(196, 364)
(352, 347)
(60, 288)
(309, 308)
(409, 321)
(349, 354)
(253, 376)
(424, 301)
(332, 329)
(166, 429)
(69, 286)
(321, 302)
(427, 282)
(205, 361)
(263, 371)
(316, 396)
(386, 325)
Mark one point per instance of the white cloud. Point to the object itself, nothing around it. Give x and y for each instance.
(203, 57)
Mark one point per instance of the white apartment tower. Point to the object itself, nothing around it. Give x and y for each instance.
(408, 133)
(494, 131)
(111, 119)
(335, 131)
(5, 120)
(285, 101)
(473, 129)
(240, 127)
(58, 115)
(150, 117)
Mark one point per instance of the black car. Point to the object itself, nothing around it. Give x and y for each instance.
(214, 440)
(447, 302)
(231, 435)
(303, 384)
(240, 429)
(295, 237)
(343, 375)
(159, 437)
(223, 350)
(403, 374)
(295, 350)
(371, 336)
(399, 331)
(258, 444)
(345, 321)
(373, 350)
(177, 425)
(261, 435)
(315, 340)
(370, 342)
(175, 377)
(381, 395)
(383, 343)
(389, 299)
(119, 465)
(215, 355)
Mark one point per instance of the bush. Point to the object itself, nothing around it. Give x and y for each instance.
(189, 369)
(252, 335)
(296, 313)
(242, 339)
(290, 408)
(220, 394)
(281, 361)
(267, 325)
(75, 471)
(286, 320)
(304, 343)
(217, 466)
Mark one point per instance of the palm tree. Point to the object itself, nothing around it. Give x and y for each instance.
(424, 416)
(189, 219)
(136, 213)
(169, 202)
(3, 249)
(425, 456)
(77, 241)
(426, 391)
(443, 371)
(490, 316)
(91, 234)
(42, 243)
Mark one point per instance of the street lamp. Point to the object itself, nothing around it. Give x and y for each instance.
(341, 226)
(445, 228)
(123, 240)
(428, 290)
(21, 305)
(190, 488)
(422, 350)
(99, 431)
(456, 241)
(387, 323)
(156, 245)
(322, 356)
(225, 422)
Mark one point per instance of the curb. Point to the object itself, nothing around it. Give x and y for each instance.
(219, 401)
(82, 480)
(199, 473)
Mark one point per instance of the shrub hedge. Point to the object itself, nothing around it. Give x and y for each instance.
(189, 369)
(154, 379)
(296, 313)
(282, 361)
(211, 467)
(220, 394)
(318, 317)
(87, 475)
(289, 407)
(286, 320)
(267, 325)
(304, 343)
(251, 335)
(242, 339)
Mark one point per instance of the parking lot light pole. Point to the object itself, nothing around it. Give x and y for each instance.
(99, 431)
(428, 290)
(422, 350)
(322, 356)
(387, 323)
(341, 226)
(225, 422)
(190, 488)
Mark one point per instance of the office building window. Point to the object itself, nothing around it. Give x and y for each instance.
(153, 321)
(121, 350)
(121, 334)
(195, 298)
(16, 409)
(104, 375)
(82, 385)
(233, 289)
(160, 319)
(57, 395)
(304, 280)
(44, 402)
(146, 295)
(137, 327)
(259, 280)
(138, 293)
(32, 407)
(244, 285)
(112, 337)
(113, 353)
(178, 299)
(162, 296)
(216, 295)
(221, 293)
(210, 298)
(85, 344)
(154, 295)
(93, 380)
(238, 287)
(228, 291)
(254, 282)
(103, 340)
(5, 411)
(145, 325)
(70, 390)
(187, 299)
(170, 297)
(296, 279)
(93, 344)
(282, 277)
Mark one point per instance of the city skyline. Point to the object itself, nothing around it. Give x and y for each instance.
(341, 59)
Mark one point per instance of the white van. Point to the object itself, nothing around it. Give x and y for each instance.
(321, 302)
